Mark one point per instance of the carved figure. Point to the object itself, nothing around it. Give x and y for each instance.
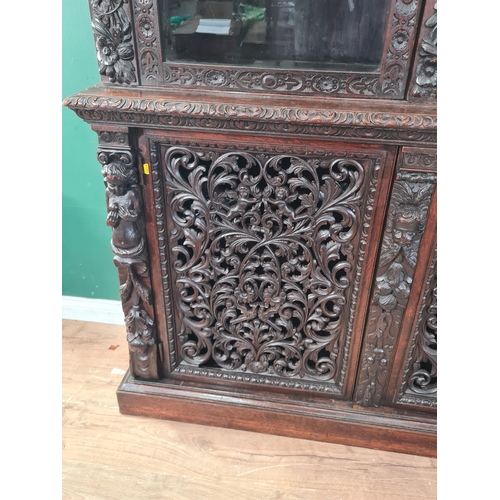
(124, 208)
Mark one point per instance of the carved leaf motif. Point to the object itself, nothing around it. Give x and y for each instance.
(262, 249)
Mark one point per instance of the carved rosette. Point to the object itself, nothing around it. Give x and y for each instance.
(425, 79)
(276, 81)
(406, 221)
(398, 50)
(147, 41)
(113, 40)
(419, 385)
(128, 243)
(263, 252)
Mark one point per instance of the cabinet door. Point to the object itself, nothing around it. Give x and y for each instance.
(402, 272)
(266, 251)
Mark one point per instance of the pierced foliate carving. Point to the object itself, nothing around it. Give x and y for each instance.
(113, 40)
(264, 253)
(419, 386)
(405, 224)
(125, 217)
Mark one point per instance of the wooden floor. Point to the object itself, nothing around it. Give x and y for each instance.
(107, 455)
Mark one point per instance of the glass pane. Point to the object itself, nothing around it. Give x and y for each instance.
(305, 34)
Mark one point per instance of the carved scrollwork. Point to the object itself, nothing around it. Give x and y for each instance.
(263, 252)
(424, 378)
(113, 40)
(426, 71)
(405, 225)
(125, 217)
(419, 382)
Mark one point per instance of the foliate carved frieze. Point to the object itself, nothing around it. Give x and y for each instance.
(406, 221)
(113, 40)
(425, 83)
(365, 126)
(419, 385)
(275, 81)
(128, 243)
(398, 50)
(264, 256)
(148, 44)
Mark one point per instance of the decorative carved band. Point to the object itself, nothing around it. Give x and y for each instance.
(160, 113)
(291, 82)
(405, 224)
(147, 41)
(128, 242)
(399, 46)
(113, 40)
(265, 253)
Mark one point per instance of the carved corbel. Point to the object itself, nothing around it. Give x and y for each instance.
(129, 246)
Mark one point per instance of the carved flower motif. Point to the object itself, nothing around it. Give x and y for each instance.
(146, 27)
(427, 74)
(327, 84)
(215, 78)
(400, 40)
(106, 55)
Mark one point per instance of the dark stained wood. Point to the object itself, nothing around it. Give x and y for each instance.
(274, 237)
(337, 423)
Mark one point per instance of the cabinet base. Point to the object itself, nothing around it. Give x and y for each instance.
(336, 422)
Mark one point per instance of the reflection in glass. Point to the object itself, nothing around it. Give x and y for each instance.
(308, 34)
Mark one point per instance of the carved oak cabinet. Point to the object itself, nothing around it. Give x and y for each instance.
(270, 180)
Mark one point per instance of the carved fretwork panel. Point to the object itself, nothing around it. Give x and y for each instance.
(266, 255)
(424, 82)
(406, 221)
(419, 385)
(113, 40)
(128, 243)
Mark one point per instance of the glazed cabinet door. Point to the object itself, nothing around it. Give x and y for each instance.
(262, 257)
(399, 357)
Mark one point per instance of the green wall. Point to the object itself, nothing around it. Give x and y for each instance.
(87, 266)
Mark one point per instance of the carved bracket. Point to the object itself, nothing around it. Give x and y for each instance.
(128, 242)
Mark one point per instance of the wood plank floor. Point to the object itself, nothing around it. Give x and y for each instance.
(107, 455)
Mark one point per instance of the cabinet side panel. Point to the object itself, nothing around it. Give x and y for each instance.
(406, 221)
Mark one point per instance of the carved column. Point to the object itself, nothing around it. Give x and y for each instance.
(406, 221)
(129, 245)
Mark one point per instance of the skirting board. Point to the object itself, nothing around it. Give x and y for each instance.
(96, 310)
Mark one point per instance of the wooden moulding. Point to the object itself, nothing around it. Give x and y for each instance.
(330, 421)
